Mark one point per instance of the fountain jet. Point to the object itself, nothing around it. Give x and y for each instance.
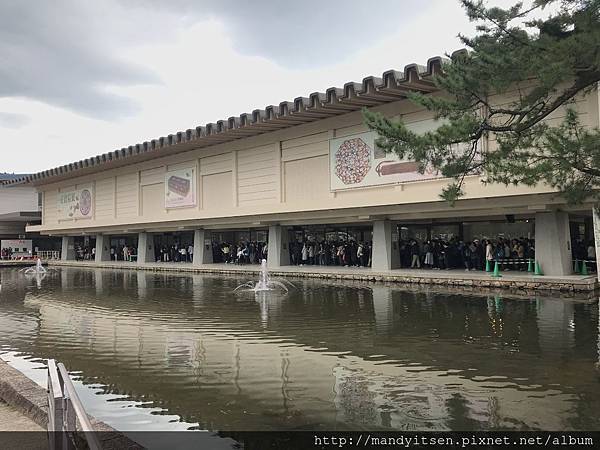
(264, 282)
(37, 269)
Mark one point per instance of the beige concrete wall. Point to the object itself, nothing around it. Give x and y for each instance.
(104, 198)
(281, 172)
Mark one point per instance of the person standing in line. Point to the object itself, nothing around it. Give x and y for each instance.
(225, 250)
(415, 255)
(465, 255)
(304, 255)
(190, 253)
(359, 254)
(591, 254)
(474, 255)
(252, 252)
(489, 251)
(428, 250)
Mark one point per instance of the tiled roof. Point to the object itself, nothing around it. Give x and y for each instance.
(11, 176)
(372, 91)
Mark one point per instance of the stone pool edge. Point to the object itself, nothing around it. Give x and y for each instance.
(31, 400)
(439, 278)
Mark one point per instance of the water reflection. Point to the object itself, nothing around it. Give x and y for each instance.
(324, 356)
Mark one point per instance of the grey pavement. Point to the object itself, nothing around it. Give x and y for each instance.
(28, 434)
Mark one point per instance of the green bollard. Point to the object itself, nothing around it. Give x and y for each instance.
(576, 267)
(487, 266)
(538, 269)
(496, 273)
(584, 270)
(530, 265)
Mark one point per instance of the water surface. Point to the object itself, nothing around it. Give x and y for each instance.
(164, 351)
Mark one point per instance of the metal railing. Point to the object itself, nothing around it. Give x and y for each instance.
(66, 415)
(48, 254)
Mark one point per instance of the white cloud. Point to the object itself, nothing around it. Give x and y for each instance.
(12, 120)
(204, 78)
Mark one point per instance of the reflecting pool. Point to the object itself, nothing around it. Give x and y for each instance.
(165, 351)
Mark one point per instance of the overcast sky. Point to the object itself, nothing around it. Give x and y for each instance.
(82, 78)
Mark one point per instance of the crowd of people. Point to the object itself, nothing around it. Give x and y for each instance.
(85, 252)
(7, 253)
(585, 251)
(123, 253)
(174, 253)
(468, 255)
(348, 253)
(440, 254)
(250, 252)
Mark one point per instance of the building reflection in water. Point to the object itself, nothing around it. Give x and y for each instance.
(382, 307)
(327, 355)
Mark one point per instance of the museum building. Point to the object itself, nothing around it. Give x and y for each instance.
(306, 170)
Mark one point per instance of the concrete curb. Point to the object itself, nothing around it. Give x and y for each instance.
(23, 394)
(532, 283)
(31, 400)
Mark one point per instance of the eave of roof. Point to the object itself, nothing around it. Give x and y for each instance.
(392, 86)
(4, 176)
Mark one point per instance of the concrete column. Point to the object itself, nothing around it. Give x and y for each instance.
(202, 248)
(68, 248)
(386, 255)
(278, 253)
(553, 243)
(102, 248)
(145, 249)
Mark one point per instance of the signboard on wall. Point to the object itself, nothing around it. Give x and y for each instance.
(19, 247)
(180, 188)
(76, 204)
(355, 161)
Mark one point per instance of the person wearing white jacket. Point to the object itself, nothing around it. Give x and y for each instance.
(489, 251)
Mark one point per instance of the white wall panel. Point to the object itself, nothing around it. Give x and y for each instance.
(152, 176)
(105, 198)
(257, 174)
(127, 195)
(306, 180)
(216, 164)
(217, 192)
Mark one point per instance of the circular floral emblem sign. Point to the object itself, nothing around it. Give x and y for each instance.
(352, 161)
(85, 202)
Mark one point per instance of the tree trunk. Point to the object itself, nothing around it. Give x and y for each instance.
(596, 222)
(596, 216)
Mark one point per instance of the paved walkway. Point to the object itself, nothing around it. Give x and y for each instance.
(333, 270)
(31, 435)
